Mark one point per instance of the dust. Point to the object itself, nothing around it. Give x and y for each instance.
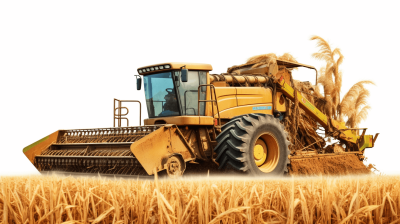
(335, 165)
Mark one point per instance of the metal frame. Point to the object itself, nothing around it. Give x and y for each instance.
(290, 64)
(96, 150)
(118, 115)
(105, 135)
(212, 106)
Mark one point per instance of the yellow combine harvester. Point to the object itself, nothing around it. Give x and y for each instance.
(233, 120)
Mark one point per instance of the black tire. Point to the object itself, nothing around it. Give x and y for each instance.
(236, 145)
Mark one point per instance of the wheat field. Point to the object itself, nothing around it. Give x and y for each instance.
(55, 199)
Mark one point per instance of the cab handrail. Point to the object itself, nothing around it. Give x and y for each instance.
(211, 100)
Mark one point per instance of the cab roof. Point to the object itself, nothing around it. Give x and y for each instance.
(145, 70)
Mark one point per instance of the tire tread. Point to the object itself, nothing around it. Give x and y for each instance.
(232, 149)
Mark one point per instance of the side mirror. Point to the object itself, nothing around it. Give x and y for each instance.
(184, 75)
(138, 82)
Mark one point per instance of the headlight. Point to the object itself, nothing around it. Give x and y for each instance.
(167, 66)
(140, 70)
(147, 69)
(156, 68)
(152, 69)
(161, 67)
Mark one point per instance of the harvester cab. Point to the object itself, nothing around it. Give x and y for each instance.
(170, 94)
(239, 120)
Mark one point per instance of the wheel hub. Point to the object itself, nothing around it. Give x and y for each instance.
(174, 167)
(260, 152)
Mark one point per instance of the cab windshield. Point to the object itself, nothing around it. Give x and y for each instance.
(160, 95)
(166, 95)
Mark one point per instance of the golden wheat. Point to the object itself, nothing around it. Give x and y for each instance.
(330, 76)
(39, 199)
(355, 105)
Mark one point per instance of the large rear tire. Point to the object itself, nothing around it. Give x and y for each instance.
(255, 144)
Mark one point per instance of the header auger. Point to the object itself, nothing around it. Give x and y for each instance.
(242, 121)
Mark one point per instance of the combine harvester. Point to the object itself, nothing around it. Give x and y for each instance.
(232, 121)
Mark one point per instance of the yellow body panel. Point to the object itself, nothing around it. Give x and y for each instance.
(247, 109)
(280, 102)
(234, 101)
(226, 97)
(349, 135)
(38, 147)
(181, 120)
(368, 141)
(153, 150)
(288, 91)
(203, 120)
(253, 95)
(352, 136)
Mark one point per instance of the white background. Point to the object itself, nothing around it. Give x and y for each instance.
(63, 62)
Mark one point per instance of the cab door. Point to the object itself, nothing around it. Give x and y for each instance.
(188, 92)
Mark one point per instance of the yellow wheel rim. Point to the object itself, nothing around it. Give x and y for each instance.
(260, 152)
(266, 152)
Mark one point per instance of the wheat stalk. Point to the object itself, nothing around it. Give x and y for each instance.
(55, 199)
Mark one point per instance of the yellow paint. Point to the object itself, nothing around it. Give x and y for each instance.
(181, 120)
(349, 135)
(280, 107)
(260, 152)
(248, 109)
(206, 120)
(153, 150)
(310, 109)
(253, 95)
(37, 149)
(234, 101)
(226, 97)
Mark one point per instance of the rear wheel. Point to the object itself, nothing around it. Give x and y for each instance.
(255, 143)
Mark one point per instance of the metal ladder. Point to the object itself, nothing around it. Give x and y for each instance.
(118, 115)
(211, 100)
(218, 125)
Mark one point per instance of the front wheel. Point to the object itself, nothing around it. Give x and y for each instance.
(255, 144)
